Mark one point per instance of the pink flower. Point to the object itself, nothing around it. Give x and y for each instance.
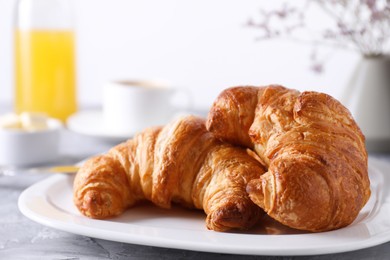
(360, 25)
(377, 15)
(370, 3)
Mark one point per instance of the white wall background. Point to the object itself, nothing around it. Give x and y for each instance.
(201, 45)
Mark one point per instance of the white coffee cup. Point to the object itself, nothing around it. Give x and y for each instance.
(133, 105)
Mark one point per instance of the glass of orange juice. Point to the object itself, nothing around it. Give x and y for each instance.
(45, 79)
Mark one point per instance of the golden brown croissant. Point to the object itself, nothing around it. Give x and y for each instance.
(317, 175)
(181, 163)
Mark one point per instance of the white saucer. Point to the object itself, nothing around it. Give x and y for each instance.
(91, 123)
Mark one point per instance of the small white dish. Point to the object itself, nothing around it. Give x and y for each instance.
(24, 148)
(49, 202)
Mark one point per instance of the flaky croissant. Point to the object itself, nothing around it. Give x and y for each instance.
(181, 163)
(317, 176)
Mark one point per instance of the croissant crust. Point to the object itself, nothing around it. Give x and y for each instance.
(180, 163)
(317, 176)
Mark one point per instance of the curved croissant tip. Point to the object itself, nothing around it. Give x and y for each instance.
(254, 186)
(236, 215)
(91, 204)
(96, 204)
(255, 192)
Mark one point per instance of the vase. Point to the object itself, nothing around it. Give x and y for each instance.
(367, 96)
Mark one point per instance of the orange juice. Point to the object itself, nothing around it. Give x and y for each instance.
(45, 72)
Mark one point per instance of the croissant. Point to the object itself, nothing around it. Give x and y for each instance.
(317, 176)
(180, 163)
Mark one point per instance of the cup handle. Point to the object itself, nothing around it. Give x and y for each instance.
(182, 99)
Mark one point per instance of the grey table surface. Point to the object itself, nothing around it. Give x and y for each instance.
(21, 238)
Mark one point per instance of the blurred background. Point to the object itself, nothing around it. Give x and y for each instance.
(203, 46)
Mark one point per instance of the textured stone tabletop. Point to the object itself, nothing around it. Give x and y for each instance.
(21, 238)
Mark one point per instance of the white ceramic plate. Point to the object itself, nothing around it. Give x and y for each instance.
(91, 123)
(49, 202)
